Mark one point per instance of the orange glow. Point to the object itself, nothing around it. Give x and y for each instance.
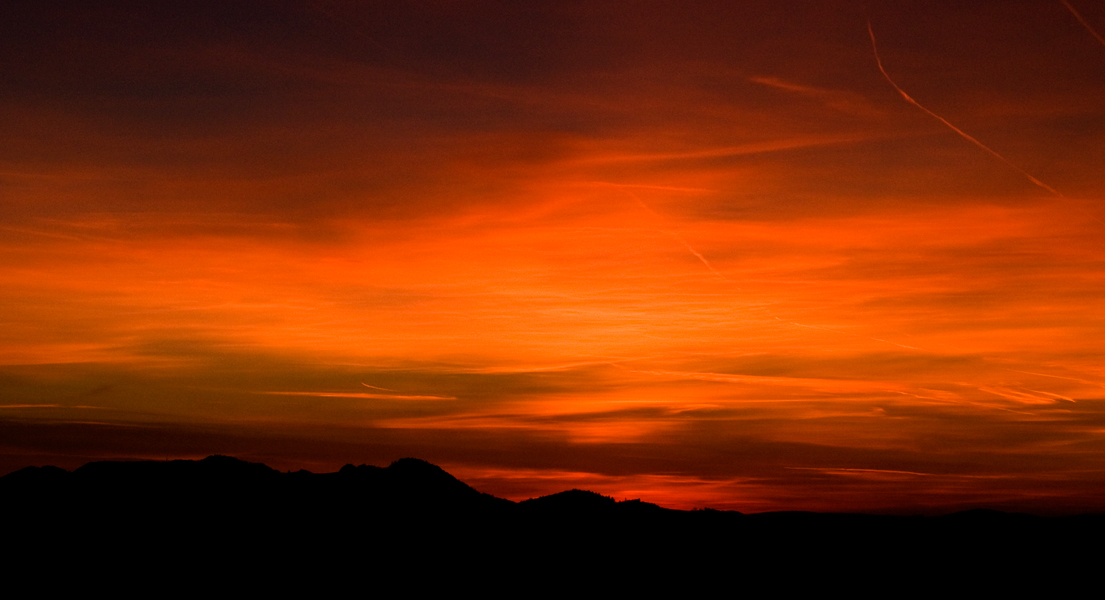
(705, 257)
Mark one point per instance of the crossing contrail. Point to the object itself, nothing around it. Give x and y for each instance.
(700, 257)
(1083, 22)
(962, 133)
(679, 238)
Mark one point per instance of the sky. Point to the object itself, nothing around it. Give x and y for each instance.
(830, 255)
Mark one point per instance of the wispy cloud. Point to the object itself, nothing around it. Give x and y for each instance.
(843, 101)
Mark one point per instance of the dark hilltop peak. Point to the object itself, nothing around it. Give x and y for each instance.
(235, 466)
(574, 500)
(34, 476)
(223, 460)
(417, 465)
(638, 505)
(427, 483)
(416, 470)
(351, 469)
(582, 503)
(578, 495)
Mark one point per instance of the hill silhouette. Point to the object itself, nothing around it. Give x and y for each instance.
(225, 511)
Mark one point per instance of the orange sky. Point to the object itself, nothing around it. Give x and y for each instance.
(704, 256)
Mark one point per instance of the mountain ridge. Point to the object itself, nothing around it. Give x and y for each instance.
(407, 476)
(226, 510)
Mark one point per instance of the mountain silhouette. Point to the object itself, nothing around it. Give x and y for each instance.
(225, 511)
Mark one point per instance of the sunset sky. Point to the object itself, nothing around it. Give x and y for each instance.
(836, 255)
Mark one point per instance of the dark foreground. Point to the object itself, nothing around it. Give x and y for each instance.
(413, 520)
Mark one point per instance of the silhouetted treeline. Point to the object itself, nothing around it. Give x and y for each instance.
(222, 514)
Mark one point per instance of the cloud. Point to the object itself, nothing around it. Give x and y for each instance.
(843, 101)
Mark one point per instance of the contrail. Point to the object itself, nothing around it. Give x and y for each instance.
(678, 238)
(1083, 22)
(962, 133)
(700, 257)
